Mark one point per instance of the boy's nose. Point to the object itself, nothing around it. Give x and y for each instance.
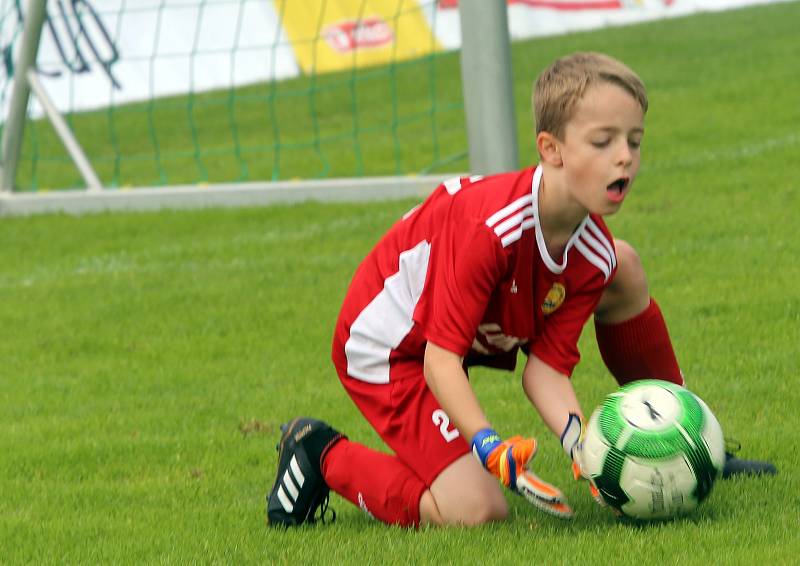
(625, 155)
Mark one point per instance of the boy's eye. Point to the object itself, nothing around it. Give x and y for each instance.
(635, 143)
(600, 143)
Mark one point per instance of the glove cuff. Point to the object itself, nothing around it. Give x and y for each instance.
(484, 442)
(571, 436)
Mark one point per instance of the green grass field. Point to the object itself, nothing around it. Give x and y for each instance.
(148, 359)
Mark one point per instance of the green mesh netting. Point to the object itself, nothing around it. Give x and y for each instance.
(402, 117)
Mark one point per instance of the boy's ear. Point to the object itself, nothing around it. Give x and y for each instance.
(548, 146)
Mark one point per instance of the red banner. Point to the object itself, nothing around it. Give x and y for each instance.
(560, 4)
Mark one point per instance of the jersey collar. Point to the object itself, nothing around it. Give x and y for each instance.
(552, 264)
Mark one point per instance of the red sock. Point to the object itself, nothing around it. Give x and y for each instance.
(380, 484)
(639, 348)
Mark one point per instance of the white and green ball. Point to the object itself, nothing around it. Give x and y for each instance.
(654, 450)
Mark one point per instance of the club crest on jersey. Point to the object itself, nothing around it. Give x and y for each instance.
(554, 299)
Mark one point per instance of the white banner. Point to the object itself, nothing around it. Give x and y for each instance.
(539, 18)
(96, 53)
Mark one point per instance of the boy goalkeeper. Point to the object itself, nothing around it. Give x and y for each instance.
(482, 268)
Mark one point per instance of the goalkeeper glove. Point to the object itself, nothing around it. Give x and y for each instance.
(572, 443)
(508, 460)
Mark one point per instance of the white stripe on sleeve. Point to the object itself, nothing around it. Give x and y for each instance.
(598, 234)
(595, 260)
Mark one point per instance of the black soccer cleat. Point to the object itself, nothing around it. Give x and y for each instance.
(738, 467)
(299, 488)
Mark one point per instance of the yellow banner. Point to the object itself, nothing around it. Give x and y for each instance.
(331, 35)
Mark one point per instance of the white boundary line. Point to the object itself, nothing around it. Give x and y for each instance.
(222, 195)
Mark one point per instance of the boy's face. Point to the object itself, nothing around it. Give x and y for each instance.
(600, 150)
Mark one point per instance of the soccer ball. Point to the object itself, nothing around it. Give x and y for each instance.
(654, 450)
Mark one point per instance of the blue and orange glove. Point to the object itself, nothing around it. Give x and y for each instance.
(508, 461)
(572, 443)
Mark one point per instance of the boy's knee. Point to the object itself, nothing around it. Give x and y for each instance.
(478, 508)
(486, 508)
(475, 508)
(630, 276)
(628, 293)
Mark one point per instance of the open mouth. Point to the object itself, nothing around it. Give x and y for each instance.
(619, 185)
(616, 190)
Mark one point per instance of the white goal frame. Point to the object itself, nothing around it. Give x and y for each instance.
(489, 107)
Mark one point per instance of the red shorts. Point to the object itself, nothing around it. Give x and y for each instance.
(407, 416)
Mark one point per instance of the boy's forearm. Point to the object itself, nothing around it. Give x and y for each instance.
(551, 393)
(448, 382)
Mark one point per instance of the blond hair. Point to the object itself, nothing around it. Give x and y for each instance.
(559, 87)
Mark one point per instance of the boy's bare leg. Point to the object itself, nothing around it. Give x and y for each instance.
(463, 494)
(631, 332)
(635, 344)
(628, 294)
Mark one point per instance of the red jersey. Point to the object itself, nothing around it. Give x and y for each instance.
(468, 269)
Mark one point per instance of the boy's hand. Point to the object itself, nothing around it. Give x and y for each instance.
(572, 442)
(508, 460)
(578, 474)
